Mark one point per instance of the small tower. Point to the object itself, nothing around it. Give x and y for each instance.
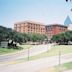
(67, 21)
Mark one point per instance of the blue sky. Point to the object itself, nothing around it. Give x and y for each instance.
(45, 11)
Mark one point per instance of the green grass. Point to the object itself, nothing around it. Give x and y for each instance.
(6, 50)
(11, 50)
(68, 65)
(53, 52)
(63, 67)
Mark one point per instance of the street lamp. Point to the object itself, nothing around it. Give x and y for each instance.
(59, 59)
(28, 53)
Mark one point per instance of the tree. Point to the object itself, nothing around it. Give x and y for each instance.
(36, 37)
(63, 38)
(9, 34)
(18, 37)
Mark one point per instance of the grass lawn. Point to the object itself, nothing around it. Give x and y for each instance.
(64, 67)
(6, 50)
(54, 51)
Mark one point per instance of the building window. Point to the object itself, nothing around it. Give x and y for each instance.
(49, 28)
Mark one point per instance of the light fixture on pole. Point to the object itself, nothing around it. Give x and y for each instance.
(59, 59)
(28, 54)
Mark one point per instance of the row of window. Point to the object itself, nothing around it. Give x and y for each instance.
(51, 29)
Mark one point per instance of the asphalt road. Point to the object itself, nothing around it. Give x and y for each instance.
(32, 51)
(36, 65)
(68, 71)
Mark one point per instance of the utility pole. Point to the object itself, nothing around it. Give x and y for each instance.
(28, 54)
(59, 59)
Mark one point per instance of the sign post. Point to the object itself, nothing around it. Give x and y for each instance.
(28, 54)
(59, 59)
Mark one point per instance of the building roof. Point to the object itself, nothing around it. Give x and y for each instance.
(28, 21)
(34, 22)
(57, 25)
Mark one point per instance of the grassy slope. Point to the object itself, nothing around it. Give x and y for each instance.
(54, 51)
(63, 67)
(6, 50)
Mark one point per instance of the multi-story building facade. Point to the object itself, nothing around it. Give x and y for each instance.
(30, 27)
(55, 29)
(35, 27)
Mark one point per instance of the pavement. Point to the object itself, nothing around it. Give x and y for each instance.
(68, 71)
(36, 65)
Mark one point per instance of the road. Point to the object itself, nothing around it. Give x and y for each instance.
(32, 51)
(68, 71)
(36, 65)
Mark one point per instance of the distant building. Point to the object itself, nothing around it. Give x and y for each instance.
(67, 21)
(35, 27)
(30, 27)
(55, 29)
(70, 27)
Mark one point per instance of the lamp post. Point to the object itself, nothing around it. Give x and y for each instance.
(59, 59)
(28, 54)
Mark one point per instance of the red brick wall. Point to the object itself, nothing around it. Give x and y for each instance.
(55, 29)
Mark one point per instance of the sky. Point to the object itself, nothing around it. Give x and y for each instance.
(44, 11)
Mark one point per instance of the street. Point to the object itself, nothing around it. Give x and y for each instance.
(32, 66)
(36, 65)
(32, 51)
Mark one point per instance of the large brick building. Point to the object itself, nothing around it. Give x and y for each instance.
(30, 27)
(36, 27)
(55, 29)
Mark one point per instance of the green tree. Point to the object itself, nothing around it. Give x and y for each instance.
(63, 38)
